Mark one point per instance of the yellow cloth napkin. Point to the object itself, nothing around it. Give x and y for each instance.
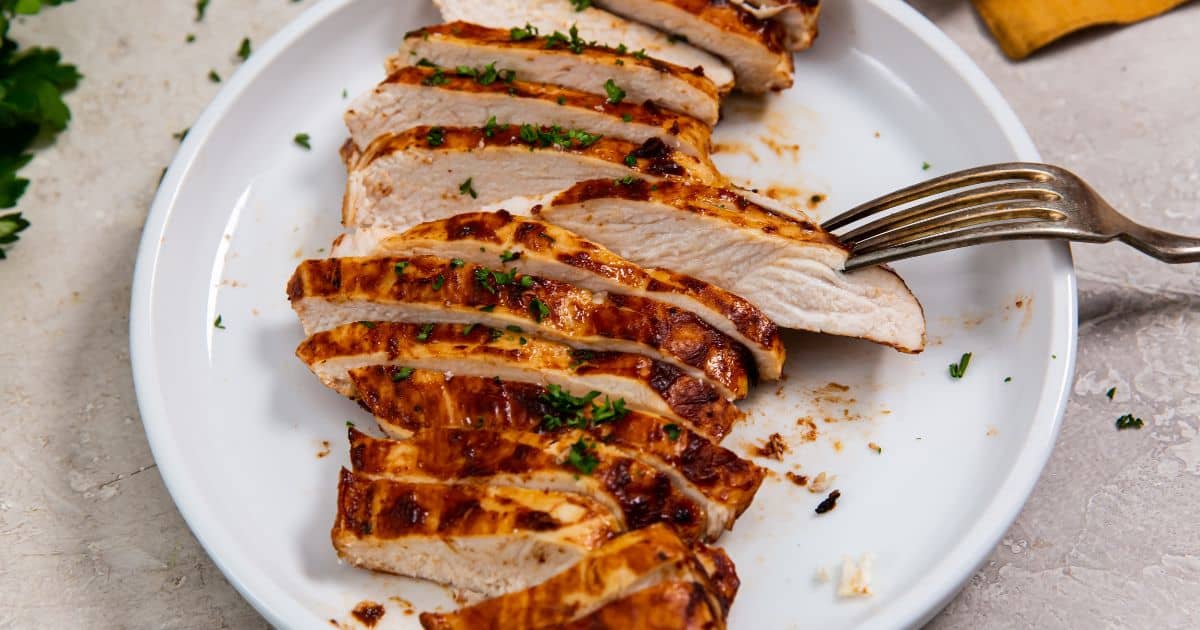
(1023, 26)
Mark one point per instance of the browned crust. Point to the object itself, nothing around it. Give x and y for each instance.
(652, 158)
(500, 38)
(721, 573)
(428, 399)
(693, 131)
(573, 313)
(720, 203)
(735, 20)
(385, 509)
(555, 601)
(696, 402)
(644, 495)
(513, 232)
(667, 606)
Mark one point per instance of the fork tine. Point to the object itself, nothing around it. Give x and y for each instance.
(964, 238)
(945, 205)
(980, 175)
(949, 224)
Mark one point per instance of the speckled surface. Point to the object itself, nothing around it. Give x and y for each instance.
(90, 538)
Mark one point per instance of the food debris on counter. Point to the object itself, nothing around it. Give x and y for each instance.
(821, 482)
(798, 479)
(957, 370)
(822, 575)
(875, 447)
(324, 452)
(856, 577)
(1127, 421)
(774, 448)
(829, 503)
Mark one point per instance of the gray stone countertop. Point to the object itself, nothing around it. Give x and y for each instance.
(89, 536)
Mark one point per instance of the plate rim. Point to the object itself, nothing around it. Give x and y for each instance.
(913, 608)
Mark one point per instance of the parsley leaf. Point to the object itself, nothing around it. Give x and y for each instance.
(1112, 391)
(426, 331)
(507, 256)
(213, 76)
(401, 266)
(614, 92)
(1127, 421)
(957, 370)
(201, 7)
(217, 323)
(518, 34)
(581, 4)
(302, 140)
(673, 431)
(243, 51)
(466, 188)
(538, 309)
(436, 136)
(439, 282)
(401, 373)
(582, 457)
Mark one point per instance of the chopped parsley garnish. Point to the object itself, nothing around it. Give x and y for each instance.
(488, 309)
(243, 51)
(672, 430)
(302, 140)
(1007, 379)
(526, 282)
(924, 166)
(367, 325)
(399, 374)
(571, 42)
(626, 117)
(611, 410)
(562, 100)
(201, 7)
(620, 62)
(582, 458)
(401, 266)
(437, 78)
(639, 54)
(345, 93)
(513, 328)
(496, 334)
(567, 410)
(439, 282)
(213, 76)
(507, 256)
(538, 309)
(456, 263)
(468, 328)
(426, 330)
(1112, 391)
(484, 278)
(581, 4)
(518, 34)
(614, 92)
(436, 136)
(957, 370)
(191, 37)
(557, 136)
(180, 135)
(579, 357)
(425, 63)
(491, 127)
(631, 160)
(627, 180)
(675, 37)
(502, 278)
(466, 188)
(217, 323)
(1127, 421)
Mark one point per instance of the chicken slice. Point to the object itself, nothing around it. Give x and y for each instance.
(798, 17)
(627, 565)
(784, 263)
(330, 292)
(416, 96)
(592, 25)
(429, 173)
(756, 49)
(548, 251)
(725, 482)
(676, 605)
(488, 539)
(645, 384)
(638, 495)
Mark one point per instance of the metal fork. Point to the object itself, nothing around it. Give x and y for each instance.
(1001, 202)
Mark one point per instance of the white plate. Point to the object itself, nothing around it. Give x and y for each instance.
(236, 422)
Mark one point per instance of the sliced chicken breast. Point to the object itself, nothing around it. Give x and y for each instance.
(488, 539)
(422, 96)
(756, 49)
(592, 25)
(626, 565)
(787, 265)
(331, 292)
(798, 18)
(644, 384)
(551, 252)
(676, 605)
(429, 173)
(638, 495)
(723, 482)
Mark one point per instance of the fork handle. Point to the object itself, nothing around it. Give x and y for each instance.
(1165, 246)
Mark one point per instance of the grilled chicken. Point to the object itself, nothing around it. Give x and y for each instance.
(331, 292)
(548, 251)
(429, 173)
(644, 78)
(488, 539)
(756, 49)
(591, 25)
(638, 495)
(798, 18)
(628, 564)
(645, 384)
(676, 605)
(416, 96)
(724, 482)
(787, 265)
